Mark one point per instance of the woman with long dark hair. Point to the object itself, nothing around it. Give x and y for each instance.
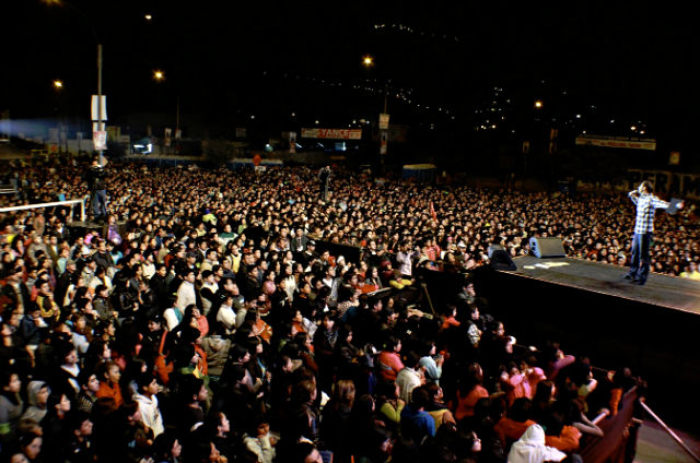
(469, 391)
(13, 355)
(335, 421)
(11, 405)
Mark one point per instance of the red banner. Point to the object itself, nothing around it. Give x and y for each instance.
(334, 134)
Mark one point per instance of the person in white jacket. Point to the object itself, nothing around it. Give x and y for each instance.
(186, 292)
(226, 314)
(530, 448)
(410, 377)
(261, 445)
(148, 404)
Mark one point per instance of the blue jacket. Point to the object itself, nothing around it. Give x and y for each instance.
(417, 424)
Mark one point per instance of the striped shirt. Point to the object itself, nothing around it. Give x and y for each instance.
(646, 208)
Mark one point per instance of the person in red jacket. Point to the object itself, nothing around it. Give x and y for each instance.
(109, 385)
(512, 426)
(469, 392)
(389, 361)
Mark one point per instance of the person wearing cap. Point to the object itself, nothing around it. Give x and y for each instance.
(309, 253)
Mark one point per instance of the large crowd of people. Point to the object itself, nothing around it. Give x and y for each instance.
(457, 223)
(202, 322)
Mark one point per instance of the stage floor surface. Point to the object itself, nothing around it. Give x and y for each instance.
(661, 290)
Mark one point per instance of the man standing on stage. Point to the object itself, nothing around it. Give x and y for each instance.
(646, 204)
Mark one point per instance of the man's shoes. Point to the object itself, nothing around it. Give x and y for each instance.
(99, 220)
(630, 277)
(639, 282)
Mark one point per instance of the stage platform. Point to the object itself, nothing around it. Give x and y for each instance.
(83, 226)
(660, 290)
(593, 312)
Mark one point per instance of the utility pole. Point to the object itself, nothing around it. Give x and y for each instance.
(100, 122)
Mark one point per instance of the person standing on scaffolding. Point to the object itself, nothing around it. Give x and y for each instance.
(325, 176)
(95, 177)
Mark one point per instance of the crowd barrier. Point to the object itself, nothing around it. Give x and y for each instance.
(69, 203)
(620, 439)
(7, 189)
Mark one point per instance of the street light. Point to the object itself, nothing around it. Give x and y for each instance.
(57, 85)
(538, 104)
(368, 63)
(158, 75)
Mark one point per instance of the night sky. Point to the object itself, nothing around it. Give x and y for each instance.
(226, 61)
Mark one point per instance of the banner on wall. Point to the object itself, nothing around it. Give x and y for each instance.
(647, 144)
(334, 134)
